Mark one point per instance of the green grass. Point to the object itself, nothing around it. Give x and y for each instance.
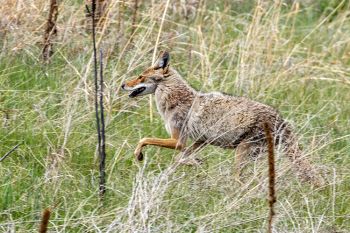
(297, 62)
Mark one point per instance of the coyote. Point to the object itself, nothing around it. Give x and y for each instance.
(212, 118)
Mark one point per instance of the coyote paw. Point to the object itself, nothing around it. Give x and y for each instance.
(190, 161)
(138, 154)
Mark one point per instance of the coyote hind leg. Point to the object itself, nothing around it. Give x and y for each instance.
(244, 152)
(305, 171)
(240, 158)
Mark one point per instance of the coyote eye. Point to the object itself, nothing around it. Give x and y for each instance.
(140, 77)
(156, 79)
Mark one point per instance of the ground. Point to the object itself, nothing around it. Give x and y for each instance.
(293, 56)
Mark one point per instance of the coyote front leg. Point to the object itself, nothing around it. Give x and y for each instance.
(172, 143)
(185, 156)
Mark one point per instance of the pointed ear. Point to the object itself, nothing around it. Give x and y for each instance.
(163, 60)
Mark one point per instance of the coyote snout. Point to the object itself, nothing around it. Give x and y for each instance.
(140, 89)
(212, 118)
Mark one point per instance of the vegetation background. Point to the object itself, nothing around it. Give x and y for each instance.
(293, 55)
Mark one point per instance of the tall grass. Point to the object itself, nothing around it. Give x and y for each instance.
(293, 56)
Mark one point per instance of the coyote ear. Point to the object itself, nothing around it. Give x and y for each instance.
(163, 60)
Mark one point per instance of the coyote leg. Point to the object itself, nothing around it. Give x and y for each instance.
(172, 143)
(184, 157)
(302, 165)
(242, 152)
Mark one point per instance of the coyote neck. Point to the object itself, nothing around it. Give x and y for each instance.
(174, 98)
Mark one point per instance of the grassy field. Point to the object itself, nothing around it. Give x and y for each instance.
(293, 56)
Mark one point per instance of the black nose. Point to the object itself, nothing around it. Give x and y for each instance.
(123, 85)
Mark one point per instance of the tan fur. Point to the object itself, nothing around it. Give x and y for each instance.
(213, 118)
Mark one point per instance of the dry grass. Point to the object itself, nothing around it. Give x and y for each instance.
(293, 56)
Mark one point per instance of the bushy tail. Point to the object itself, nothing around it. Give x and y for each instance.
(301, 164)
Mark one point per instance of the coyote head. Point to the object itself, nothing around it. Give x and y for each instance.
(147, 81)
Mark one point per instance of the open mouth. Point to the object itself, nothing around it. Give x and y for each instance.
(137, 91)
